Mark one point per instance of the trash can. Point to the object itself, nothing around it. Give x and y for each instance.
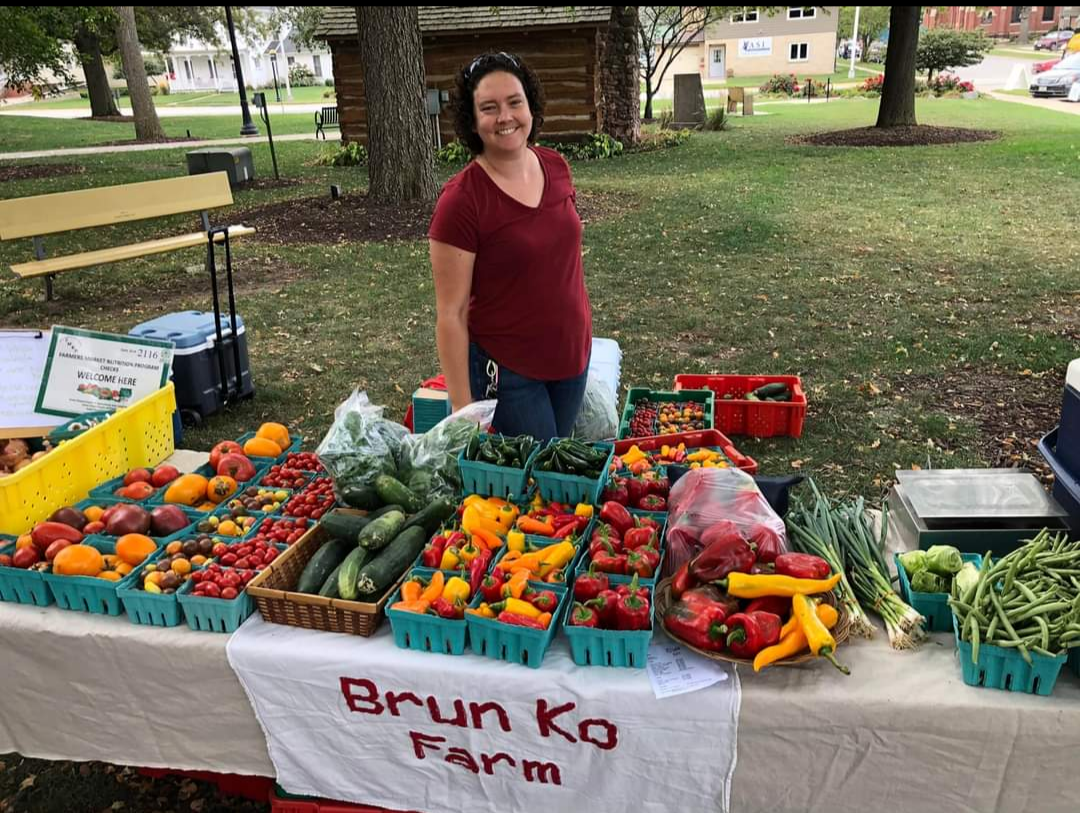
(236, 161)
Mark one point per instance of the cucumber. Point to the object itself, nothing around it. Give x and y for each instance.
(386, 509)
(325, 559)
(431, 517)
(391, 562)
(380, 532)
(392, 490)
(365, 498)
(350, 570)
(771, 390)
(340, 525)
(330, 586)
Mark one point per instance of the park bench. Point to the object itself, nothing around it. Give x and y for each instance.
(42, 215)
(327, 117)
(737, 96)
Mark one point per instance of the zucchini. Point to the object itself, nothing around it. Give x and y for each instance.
(380, 532)
(391, 562)
(365, 498)
(324, 560)
(350, 569)
(330, 586)
(431, 517)
(341, 525)
(392, 490)
(771, 390)
(386, 509)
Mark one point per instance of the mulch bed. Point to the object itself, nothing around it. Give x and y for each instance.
(920, 135)
(1012, 412)
(27, 172)
(355, 218)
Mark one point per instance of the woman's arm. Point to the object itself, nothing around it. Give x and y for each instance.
(452, 269)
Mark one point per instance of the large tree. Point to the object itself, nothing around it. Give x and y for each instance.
(147, 126)
(943, 48)
(873, 21)
(620, 109)
(401, 161)
(897, 107)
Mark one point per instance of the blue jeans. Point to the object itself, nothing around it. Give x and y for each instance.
(543, 409)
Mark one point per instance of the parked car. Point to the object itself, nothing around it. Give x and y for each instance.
(1057, 80)
(1039, 67)
(1053, 40)
(876, 52)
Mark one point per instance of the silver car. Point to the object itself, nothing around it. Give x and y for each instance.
(1058, 80)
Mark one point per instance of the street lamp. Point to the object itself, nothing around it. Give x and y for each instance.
(248, 127)
(854, 40)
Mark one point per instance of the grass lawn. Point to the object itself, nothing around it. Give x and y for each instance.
(1021, 53)
(304, 95)
(20, 133)
(838, 76)
(900, 283)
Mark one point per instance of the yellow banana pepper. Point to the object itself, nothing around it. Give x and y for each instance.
(469, 551)
(818, 637)
(484, 611)
(583, 509)
(506, 517)
(518, 606)
(555, 556)
(745, 585)
(456, 588)
(472, 499)
(471, 518)
(515, 541)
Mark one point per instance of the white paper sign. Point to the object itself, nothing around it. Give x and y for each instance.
(22, 360)
(674, 670)
(755, 46)
(361, 720)
(88, 371)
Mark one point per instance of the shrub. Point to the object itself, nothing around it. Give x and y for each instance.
(594, 146)
(328, 94)
(873, 84)
(666, 119)
(163, 88)
(329, 82)
(947, 83)
(300, 76)
(662, 140)
(352, 154)
(717, 121)
(453, 153)
(780, 83)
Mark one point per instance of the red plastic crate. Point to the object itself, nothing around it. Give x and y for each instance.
(759, 419)
(256, 788)
(693, 440)
(281, 804)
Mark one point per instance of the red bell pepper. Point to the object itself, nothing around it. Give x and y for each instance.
(491, 589)
(519, 620)
(777, 605)
(636, 489)
(562, 520)
(605, 604)
(611, 564)
(616, 516)
(544, 600)
(749, 633)
(638, 565)
(616, 492)
(632, 613)
(681, 581)
(582, 616)
(432, 555)
(802, 566)
(725, 555)
(589, 585)
(601, 546)
(652, 502)
(768, 544)
(638, 538)
(647, 522)
(701, 625)
(608, 534)
(632, 589)
(660, 486)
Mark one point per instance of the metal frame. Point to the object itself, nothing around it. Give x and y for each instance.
(227, 393)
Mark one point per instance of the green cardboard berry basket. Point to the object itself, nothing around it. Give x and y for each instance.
(204, 614)
(149, 609)
(489, 480)
(425, 633)
(89, 594)
(569, 488)
(522, 645)
(20, 585)
(1003, 668)
(934, 607)
(590, 646)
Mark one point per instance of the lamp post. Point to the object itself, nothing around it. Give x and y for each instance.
(854, 42)
(248, 127)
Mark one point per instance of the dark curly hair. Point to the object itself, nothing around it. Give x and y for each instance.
(469, 77)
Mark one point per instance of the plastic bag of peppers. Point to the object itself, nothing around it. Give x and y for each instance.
(727, 601)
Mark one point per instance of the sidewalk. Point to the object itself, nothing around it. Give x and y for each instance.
(165, 145)
(1046, 104)
(164, 112)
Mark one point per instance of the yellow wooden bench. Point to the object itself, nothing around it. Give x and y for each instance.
(42, 215)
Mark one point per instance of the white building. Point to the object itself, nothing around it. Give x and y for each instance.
(194, 65)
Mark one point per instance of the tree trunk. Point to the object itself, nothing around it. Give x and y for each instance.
(401, 161)
(897, 107)
(88, 47)
(147, 126)
(620, 108)
(649, 93)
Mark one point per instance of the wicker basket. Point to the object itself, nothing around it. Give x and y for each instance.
(272, 591)
(663, 599)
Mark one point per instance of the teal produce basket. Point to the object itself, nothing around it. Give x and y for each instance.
(489, 480)
(506, 642)
(19, 585)
(149, 609)
(426, 633)
(934, 607)
(89, 594)
(570, 489)
(205, 614)
(597, 647)
(1003, 668)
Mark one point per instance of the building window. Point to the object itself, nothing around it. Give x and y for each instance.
(1048, 13)
(801, 12)
(258, 63)
(318, 64)
(213, 72)
(987, 18)
(187, 70)
(747, 15)
(291, 60)
(798, 52)
(1015, 18)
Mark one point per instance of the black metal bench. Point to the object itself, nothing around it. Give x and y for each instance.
(327, 117)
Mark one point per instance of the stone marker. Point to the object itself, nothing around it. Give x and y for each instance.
(689, 100)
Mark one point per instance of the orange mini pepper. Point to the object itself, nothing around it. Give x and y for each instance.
(418, 606)
(411, 590)
(487, 538)
(434, 588)
(529, 525)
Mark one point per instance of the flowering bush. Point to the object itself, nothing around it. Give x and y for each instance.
(781, 84)
(873, 84)
(947, 83)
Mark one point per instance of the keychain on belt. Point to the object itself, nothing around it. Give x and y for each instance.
(492, 371)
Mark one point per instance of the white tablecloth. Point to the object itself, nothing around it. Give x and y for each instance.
(902, 732)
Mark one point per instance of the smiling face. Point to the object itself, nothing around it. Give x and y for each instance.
(503, 118)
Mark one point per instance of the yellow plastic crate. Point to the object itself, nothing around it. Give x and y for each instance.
(139, 435)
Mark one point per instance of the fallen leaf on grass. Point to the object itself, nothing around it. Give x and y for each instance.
(876, 444)
(28, 782)
(316, 368)
(796, 464)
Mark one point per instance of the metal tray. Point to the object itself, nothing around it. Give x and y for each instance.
(998, 496)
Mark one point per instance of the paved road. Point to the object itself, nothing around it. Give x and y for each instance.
(163, 112)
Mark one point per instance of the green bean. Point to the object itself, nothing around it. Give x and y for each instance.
(1045, 631)
(1005, 623)
(980, 585)
(974, 625)
(971, 611)
(1029, 594)
(1042, 610)
(992, 627)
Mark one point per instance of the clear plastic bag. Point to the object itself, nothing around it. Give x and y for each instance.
(598, 418)
(710, 504)
(428, 462)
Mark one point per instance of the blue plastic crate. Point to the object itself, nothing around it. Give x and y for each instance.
(89, 594)
(569, 488)
(149, 609)
(106, 489)
(522, 645)
(1004, 668)
(597, 647)
(214, 614)
(490, 480)
(426, 633)
(161, 541)
(259, 460)
(934, 607)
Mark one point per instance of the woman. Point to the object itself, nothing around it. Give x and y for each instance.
(513, 316)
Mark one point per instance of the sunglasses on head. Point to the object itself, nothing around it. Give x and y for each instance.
(502, 55)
